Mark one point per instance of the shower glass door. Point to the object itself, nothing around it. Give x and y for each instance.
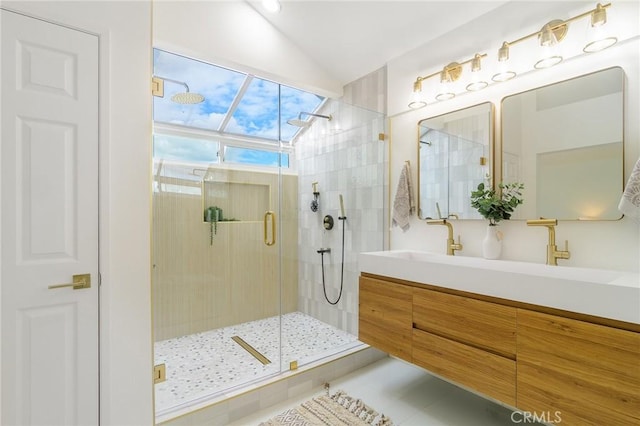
(216, 238)
(216, 279)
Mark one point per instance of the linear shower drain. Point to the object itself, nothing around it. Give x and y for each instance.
(247, 347)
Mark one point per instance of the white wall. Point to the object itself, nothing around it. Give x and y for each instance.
(611, 245)
(124, 29)
(233, 35)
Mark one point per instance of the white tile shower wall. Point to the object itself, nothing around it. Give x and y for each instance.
(345, 157)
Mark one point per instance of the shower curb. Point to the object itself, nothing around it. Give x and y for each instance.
(232, 407)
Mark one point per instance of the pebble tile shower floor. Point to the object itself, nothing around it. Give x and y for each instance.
(202, 365)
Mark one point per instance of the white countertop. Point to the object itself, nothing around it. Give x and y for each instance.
(599, 292)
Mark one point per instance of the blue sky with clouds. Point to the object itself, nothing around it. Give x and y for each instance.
(256, 114)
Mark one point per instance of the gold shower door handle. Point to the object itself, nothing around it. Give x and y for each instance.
(79, 281)
(273, 228)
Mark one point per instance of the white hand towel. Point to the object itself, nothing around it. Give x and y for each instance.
(630, 201)
(403, 204)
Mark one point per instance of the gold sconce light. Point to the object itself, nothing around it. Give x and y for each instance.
(598, 39)
(477, 82)
(417, 99)
(504, 72)
(549, 36)
(448, 76)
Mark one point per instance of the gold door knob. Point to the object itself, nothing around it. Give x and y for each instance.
(79, 281)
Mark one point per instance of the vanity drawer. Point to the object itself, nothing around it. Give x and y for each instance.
(385, 316)
(480, 324)
(487, 373)
(589, 373)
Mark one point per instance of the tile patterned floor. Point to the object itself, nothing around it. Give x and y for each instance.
(203, 365)
(409, 395)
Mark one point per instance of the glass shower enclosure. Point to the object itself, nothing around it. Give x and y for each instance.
(235, 271)
(217, 272)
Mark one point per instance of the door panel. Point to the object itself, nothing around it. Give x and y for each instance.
(45, 179)
(39, 331)
(49, 223)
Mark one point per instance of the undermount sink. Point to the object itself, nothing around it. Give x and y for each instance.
(600, 292)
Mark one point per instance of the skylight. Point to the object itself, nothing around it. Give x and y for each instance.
(235, 103)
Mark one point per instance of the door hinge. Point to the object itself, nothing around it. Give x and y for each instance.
(382, 137)
(159, 373)
(157, 87)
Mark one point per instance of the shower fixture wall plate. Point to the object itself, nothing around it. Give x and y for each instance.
(328, 222)
(185, 98)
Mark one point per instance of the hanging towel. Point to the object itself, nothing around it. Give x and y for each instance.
(403, 204)
(630, 201)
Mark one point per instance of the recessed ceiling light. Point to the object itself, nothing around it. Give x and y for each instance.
(272, 6)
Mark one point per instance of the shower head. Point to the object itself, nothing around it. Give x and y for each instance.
(185, 98)
(301, 123)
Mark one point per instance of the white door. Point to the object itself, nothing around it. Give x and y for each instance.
(49, 223)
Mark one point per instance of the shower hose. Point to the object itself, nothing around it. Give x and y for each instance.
(322, 252)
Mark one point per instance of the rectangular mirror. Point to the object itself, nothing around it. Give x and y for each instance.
(454, 152)
(564, 141)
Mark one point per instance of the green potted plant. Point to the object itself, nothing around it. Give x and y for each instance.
(496, 206)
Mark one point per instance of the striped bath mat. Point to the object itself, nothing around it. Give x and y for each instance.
(339, 409)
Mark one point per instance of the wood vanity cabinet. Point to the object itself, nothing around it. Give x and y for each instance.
(588, 373)
(559, 365)
(469, 341)
(384, 320)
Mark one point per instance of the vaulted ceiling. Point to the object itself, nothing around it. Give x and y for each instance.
(354, 38)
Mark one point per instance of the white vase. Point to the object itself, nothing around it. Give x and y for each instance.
(492, 243)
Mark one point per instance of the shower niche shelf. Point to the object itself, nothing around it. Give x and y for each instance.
(237, 201)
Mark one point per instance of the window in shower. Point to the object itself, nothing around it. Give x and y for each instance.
(189, 149)
(235, 103)
(238, 155)
(184, 149)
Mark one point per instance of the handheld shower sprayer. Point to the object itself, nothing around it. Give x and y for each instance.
(322, 252)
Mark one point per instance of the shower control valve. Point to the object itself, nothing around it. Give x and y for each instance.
(328, 222)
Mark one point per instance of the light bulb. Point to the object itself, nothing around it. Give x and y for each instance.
(446, 90)
(504, 73)
(599, 37)
(417, 98)
(548, 42)
(477, 83)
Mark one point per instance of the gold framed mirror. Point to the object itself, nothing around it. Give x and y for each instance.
(455, 152)
(565, 142)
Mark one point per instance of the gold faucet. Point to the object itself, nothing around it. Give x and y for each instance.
(553, 254)
(452, 246)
